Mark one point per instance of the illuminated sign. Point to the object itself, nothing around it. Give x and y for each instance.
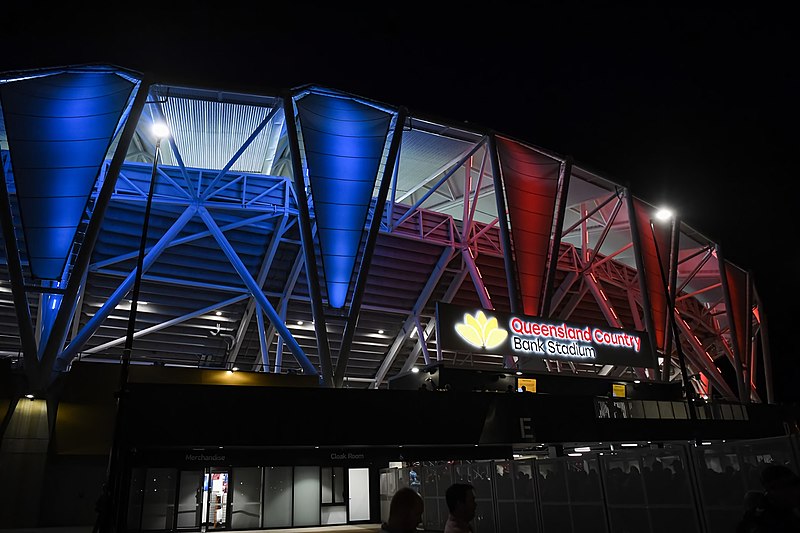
(618, 390)
(528, 383)
(483, 331)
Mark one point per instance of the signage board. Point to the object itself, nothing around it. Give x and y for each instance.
(474, 330)
(528, 383)
(618, 390)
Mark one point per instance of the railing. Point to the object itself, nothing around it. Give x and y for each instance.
(677, 487)
(660, 409)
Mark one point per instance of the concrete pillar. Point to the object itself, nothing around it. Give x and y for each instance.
(23, 456)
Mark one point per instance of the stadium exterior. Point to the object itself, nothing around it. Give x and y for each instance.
(448, 266)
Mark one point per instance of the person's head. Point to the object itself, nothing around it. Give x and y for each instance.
(781, 485)
(405, 510)
(460, 498)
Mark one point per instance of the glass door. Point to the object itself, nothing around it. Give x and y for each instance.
(215, 499)
(190, 499)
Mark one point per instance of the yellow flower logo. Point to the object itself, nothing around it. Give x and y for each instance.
(480, 331)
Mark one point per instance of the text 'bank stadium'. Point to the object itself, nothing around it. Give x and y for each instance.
(285, 306)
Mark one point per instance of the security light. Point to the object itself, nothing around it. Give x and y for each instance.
(664, 213)
(160, 130)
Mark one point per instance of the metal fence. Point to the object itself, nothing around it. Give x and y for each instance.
(687, 487)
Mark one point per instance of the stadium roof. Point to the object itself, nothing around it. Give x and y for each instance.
(225, 280)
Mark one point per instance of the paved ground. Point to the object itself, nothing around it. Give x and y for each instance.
(366, 528)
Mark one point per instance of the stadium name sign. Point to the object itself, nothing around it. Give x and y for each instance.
(469, 330)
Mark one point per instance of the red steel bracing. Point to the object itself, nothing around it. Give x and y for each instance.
(531, 186)
(739, 313)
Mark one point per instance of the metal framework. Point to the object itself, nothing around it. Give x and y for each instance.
(243, 212)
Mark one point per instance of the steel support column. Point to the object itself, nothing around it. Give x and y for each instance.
(737, 355)
(555, 242)
(502, 223)
(317, 310)
(22, 310)
(766, 356)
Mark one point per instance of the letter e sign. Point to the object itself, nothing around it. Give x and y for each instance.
(526, 428)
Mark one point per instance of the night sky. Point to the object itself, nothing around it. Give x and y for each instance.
(694, 108)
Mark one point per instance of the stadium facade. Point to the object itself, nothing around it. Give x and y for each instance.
(305, 287)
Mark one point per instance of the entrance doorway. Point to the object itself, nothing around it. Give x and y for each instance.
(216, 506)
(358, 488)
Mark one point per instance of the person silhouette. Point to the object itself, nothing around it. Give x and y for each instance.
(460, 498)
(777, 508)
(405, 512)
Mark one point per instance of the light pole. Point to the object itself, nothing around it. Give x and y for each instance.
(110, 508)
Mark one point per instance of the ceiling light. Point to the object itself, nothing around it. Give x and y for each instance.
(299, 322)
(218, 313)
(583, 449)
(415, 370)
(29, 396)
(380, 332)
(629, 444)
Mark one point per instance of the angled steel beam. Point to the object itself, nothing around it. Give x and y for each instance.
(369, 250)
(210, 188)
(738, 357)
(766, 357)
(291, 281)
(21, 308)
(163, 175)
(187, 239)
(66, 310)
(453, 165)
(174, 147)
(262, 340)
(392, 200)
(256, 291)
(606, 229)
(266, 264)
(554, 250)
(586, 215)
(449, 294)
(643, 289)
(409, 323)
(469, 211)
(443, 179)
(168, 323)
(119, 293)
(423, 340)
(76, 321)
(561, 292)
(702, 359)
(505, 232)
(317, 309)
(672, 299)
